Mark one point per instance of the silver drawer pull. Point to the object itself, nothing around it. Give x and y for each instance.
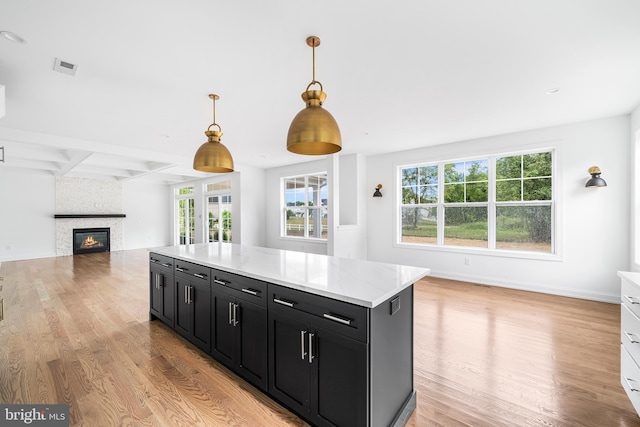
(153, 260)
(200, 276)
(629, 380)
(179, 269)
(279, 301)
(337, 319)
(632, 300)
(164, 264)
(632, 337)
(250, 291)
(220, 282)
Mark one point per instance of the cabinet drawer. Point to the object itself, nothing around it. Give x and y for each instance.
(630, 377)
(161, 261)
(337, 316)
(631, 297)
(195, 272)
(630, 332)
(242, 287)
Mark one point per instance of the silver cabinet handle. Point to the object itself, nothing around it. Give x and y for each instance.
(153, 260)
(230, 313)
(186, 297)
(337, 319)
(179, 269)
(190, 294)
(302, 352)
(287, 303)
(632, 338)
(632, 300)
(235, 315)
(220, 282)
(200, 276)
(311, 356)
(250, 291)
(165, 264)
(629, 380)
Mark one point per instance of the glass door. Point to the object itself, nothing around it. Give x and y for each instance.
(219, 210)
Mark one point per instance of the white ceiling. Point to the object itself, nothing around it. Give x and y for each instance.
(398, 75)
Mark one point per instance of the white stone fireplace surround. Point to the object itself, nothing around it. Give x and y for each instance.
(86, 197)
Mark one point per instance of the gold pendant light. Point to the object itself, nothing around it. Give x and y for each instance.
(212, 156)
(313, 130)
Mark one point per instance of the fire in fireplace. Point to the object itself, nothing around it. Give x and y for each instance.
(89, 240)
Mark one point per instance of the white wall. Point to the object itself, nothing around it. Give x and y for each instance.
(252, 206)
(634, 160)
(27, 226)
(349, 239)
(273, 205)
(148, 221)
(594, 224)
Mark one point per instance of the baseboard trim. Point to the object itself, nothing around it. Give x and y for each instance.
(531, 287)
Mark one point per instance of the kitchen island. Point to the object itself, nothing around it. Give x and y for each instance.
(329, 338)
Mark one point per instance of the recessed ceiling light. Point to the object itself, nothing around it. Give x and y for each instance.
(9, 35)
(553, 90)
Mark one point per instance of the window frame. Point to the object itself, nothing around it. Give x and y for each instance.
(221, 189)
(190, 233)
(556, 253)
(306, 208)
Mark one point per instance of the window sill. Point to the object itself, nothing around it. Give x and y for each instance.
(502, 253)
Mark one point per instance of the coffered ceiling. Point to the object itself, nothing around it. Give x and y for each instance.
(400, 75)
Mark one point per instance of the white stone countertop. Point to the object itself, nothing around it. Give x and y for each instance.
(364, 283)
(631, 276)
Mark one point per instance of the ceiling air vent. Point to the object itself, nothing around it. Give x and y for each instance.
(65, 67)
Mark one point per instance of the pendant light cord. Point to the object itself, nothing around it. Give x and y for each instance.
(313, 64)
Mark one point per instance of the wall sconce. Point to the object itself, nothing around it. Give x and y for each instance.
(377, 193)
(595, 180)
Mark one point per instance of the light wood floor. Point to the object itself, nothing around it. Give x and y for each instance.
(76, 330)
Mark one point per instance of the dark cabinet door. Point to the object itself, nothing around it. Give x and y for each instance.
(223, 345)
(157, 282)
(183, 307)
(162, 294)
(252, 343)
(193, 312)
(289, 369)
(240, 337)
(318, 373)
(201, 305)
(339, 380)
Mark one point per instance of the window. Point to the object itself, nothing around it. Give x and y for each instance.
(219, 208)
(500, 202)
(304, 213)
(185, 206)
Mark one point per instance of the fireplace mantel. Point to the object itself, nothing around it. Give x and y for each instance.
(89, 216)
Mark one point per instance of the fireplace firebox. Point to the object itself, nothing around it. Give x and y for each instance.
(89, 240)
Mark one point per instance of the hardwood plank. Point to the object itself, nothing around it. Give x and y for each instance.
(76, 330)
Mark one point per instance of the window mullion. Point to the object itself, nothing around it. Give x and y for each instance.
(440, 209)
(491, 206)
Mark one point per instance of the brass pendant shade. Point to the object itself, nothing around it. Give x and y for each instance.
(213, 156)
(313, 130)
